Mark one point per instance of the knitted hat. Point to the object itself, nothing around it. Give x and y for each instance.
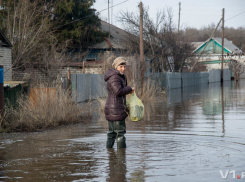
(118, 61)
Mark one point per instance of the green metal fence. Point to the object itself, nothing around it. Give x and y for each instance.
(11, 95)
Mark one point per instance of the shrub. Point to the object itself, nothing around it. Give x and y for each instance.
(46, 107)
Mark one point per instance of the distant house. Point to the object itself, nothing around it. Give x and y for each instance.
(91, 59)
(211, 56)
(5, 56)
(91, 62)
(113, 45)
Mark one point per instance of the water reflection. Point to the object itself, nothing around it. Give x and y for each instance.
(2, 172)
(209, 95)
(117, 165)
(189, 136)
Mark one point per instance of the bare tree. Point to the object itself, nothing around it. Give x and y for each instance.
(162, 45)
(237, 63)
(236, 35)
(28, 26)
(38, 41)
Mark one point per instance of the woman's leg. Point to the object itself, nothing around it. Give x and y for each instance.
(111, 135)
(120, 129)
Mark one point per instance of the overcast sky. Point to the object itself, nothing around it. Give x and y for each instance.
(193, 13)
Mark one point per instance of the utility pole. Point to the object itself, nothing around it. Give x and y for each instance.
(222, 60)
(109, 20)
(1, 92)
(141, 49)
(223, 29)
(141, 34)
(213, 44)
(112, 12)
(69, 81)
(179, 15)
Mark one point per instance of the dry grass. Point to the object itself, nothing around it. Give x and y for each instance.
(46, 107)
(102, 102)
(150, 93)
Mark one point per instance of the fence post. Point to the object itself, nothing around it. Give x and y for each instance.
(1, 90)
(69, 81)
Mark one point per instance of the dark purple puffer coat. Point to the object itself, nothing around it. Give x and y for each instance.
(115, 108)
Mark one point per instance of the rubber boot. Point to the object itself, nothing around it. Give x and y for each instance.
(120, 129)
(111, 135)
(117, 129)
(121, 141)
(110, 142)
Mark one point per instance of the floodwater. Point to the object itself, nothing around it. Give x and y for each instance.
(188, 136)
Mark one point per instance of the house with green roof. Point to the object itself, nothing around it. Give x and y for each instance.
(211, 55)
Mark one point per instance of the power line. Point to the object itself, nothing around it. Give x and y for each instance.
(239, 31)
(208, 28)
(209, 5)
(213, 10)
(198, 31)
(235, 15)
(128, 0)
(199, 15)
(90, 15)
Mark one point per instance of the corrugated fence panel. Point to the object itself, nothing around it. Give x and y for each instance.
(103, 92)
(189, 79)
(204, 77)
(199, 78)
(98, 86)
(214, 76)
(92, 86)
(87, 86)
(162, 80)
(174, 96)
(176, 80)
(226, 74)
(83, 87)
(74, 87)
(173, 80)
(157, 79)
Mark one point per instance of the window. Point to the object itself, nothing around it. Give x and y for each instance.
(90, 60)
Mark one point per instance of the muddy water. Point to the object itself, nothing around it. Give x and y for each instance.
(187, 136)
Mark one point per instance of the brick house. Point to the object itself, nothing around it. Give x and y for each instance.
(5, 56)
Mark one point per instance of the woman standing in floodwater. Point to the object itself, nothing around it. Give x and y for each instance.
(115, 108)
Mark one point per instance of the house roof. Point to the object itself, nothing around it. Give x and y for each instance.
(227, 45)
(116, 44)
(4, 41)
(116, 32)
(196, 44)
(117, 36)
(80, 64)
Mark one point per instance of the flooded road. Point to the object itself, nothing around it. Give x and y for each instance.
(186, 137)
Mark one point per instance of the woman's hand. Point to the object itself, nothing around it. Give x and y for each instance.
(132, 90)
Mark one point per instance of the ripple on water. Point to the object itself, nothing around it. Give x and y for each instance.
(190, 137)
